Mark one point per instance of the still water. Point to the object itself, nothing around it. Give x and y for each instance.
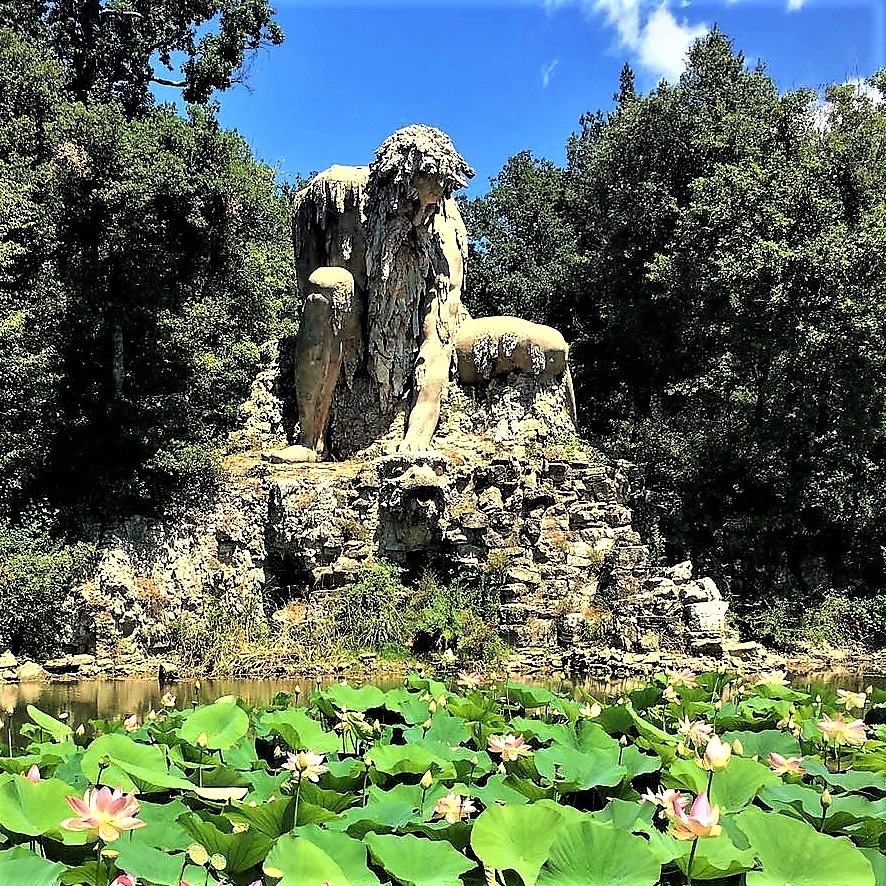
(79, 702)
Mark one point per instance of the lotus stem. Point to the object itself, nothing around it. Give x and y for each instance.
(691, 859)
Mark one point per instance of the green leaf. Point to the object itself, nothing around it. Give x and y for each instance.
(715, 857)
(221, 725)
(242, 850)
(301, 862)
(132, 765)
(349, 854)
(55, 728)
(20, 865)
(346, 698)
(409, 759)
(589, 853)
(765, 742)
(414, 861)
(516, 838)
(299, 731)
(791, 851)
(149, 864)
(37, 809)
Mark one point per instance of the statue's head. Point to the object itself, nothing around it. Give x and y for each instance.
(418, 163)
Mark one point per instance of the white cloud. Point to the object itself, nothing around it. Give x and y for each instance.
(794, 5)
(547, 72)
(651, 32)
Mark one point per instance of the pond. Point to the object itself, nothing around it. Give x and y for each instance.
(80, 701)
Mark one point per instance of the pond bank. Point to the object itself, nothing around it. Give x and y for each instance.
(534, 665)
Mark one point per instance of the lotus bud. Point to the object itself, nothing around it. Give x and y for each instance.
(427, 780)
(826, 798)
(738, 747)
(202, 740)
(426, 725)
(80, 730)
(432, 706)
(716, 754)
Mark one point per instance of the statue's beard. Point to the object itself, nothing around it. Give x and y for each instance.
(398, 282)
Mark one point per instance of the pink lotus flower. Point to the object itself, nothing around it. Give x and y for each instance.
(104, 811)
(472, 680)
(672, 802)
(682, 677)
(700, 822)
(168, 699)
(306, 765)
(124, 880)
(130, 724)
(782, 766)
(511, 747)
(33, 774)
(716, 754)
(698, 732)
(841, 732)
(453, 807)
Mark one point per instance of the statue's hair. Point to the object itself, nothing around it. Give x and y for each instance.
(417, 149)
(398, 268)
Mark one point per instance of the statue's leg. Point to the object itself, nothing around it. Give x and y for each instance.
(318, 359)
(431, 376)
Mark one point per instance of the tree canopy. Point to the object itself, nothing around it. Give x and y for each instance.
(723, 282)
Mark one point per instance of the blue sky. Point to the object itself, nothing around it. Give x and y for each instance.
(502, 76)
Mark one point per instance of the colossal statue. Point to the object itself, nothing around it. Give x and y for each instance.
(380, 263)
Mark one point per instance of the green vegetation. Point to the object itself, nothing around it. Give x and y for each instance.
(145, 255)
(687, 779)
(714, 252)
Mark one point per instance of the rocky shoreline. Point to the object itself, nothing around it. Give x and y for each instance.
(749, 659)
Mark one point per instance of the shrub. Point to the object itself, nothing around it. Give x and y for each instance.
(369, 613)
(36, 574)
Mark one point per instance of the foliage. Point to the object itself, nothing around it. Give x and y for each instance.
(143, 261)
(368, 614)
(722, 287)
(457, 616)
(36, 575)
(115, 51)
(361, 781)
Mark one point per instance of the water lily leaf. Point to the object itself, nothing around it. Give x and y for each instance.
(302, 863)
(732, 789)
(589, 853)
(55, 728)
(132, 765)
(405, 703)
(878, 863)
(149, 864)
(765, 742)
(349, 854)
(347, 698)
(386, 810)
(854, 780)
(576, 770)
(791, 851)
(242, 850)
(270, 819)
(414, 861)
(516, 838)
(445, 729)
(217, 726)
(20, 865)
(637, 763)
(495, 790)
(37, 809)
(163, 830)
(409, 759)
(299, 731)
(530, 696)
(794, 799)
(715, 857)
(220, 795)
(627, 815)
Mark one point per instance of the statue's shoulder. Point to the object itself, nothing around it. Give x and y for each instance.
(337, 184)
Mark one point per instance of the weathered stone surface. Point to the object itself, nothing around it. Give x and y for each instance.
(707, 617)
(30, 672)
(8, 660)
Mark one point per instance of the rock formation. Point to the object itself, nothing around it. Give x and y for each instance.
(388, 363)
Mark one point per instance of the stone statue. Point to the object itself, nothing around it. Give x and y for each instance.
(380, 263)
